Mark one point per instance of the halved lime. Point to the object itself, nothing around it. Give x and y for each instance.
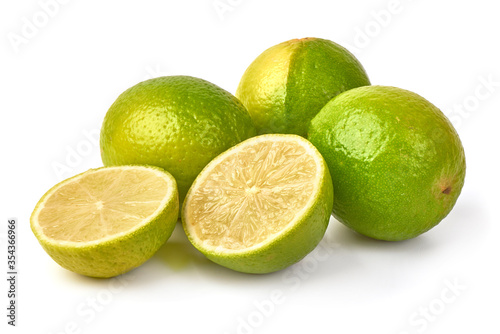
(260, 206)
(107, 221)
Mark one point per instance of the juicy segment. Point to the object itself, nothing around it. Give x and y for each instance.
(102, 204)
(252, 195)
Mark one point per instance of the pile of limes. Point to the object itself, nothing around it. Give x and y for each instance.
(255, 177)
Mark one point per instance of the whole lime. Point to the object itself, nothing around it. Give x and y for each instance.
(289, 83)
(397, 163)
(178, 123)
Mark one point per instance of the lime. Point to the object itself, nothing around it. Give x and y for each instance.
(260, 206)
(288, 84)
(108, 220)
(397, 163)
(178, 123)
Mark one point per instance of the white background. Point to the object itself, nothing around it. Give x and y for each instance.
(58, 80)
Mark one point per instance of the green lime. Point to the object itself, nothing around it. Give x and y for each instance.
(108, 220)
(178, 123)
(288, 84)
(260, 206)
(397, 163)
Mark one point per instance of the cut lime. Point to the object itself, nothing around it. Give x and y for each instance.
(260, 206)
(107, 221)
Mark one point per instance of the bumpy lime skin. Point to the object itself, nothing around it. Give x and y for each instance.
(178, 123)
(311, 71)
(397, 163)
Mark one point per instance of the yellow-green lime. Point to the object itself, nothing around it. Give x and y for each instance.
(397, 163)
(288, 84)
(260, 206)
(178, 123)
(107, 221)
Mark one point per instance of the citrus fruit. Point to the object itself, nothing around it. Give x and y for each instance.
(107, 221)
(288, 84)
(260, 206)
(397, 163)
(178, 123)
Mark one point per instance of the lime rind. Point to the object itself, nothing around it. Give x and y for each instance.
(398, 162)
(289, 83)
(178, 123)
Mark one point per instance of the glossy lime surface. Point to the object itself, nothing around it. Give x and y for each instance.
(178, 123)
(397, 163)
(288, 84)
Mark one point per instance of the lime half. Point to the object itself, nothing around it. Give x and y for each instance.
(107, 221)
(260, 206)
